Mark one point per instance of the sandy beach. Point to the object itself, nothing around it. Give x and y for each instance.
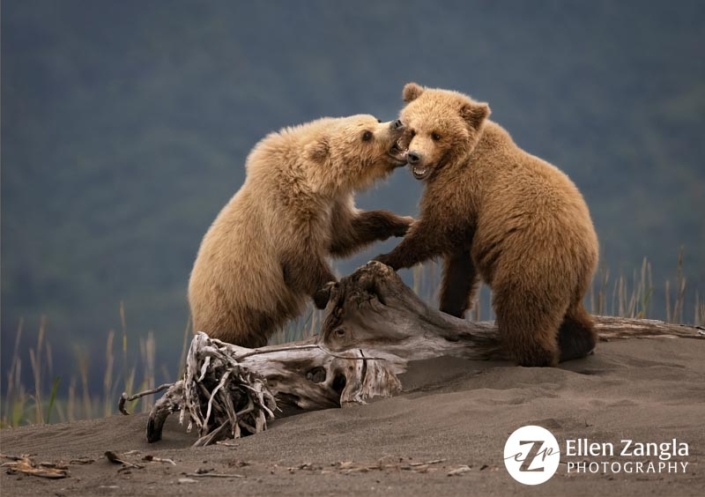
(444, 435)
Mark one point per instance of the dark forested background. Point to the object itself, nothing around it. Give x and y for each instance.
(125, 127)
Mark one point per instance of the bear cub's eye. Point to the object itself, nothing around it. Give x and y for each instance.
(435, 137)
(367, 136)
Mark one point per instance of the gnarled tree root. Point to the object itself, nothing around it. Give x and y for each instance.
(373, 325)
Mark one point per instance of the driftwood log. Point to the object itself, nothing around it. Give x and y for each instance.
(373, 326)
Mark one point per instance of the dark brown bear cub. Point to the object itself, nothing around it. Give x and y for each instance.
(496, 212)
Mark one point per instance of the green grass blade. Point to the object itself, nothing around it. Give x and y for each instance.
(52, 398)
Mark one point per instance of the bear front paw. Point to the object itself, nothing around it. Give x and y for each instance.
(404, 225)
(322, 296)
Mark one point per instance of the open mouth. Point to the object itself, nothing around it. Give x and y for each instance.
(397, 155)
(420, 172)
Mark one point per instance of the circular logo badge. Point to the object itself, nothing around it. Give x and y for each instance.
(531, 455)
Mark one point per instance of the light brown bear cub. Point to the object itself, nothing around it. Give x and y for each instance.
(495, 212)
(268, 248)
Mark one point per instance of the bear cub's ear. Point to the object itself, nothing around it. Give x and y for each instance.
(318, 150)
(475, 113)
(412, 91)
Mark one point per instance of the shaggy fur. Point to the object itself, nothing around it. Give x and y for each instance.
(500, 214)
(268, 248)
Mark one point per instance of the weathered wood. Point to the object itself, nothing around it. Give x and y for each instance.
(230, 390)
(373, 309)
(373, 325)
(615, 328)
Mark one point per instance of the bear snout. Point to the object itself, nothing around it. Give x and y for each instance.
(416, 164)
(398, 154)
(396, 129)
(399, 145)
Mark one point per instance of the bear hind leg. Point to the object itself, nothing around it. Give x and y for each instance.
(243, 326)
(576, 336)
(528, 332)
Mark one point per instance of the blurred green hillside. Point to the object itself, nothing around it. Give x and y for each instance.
(125, 127)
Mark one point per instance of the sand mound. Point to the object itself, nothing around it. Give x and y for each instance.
(454, 417)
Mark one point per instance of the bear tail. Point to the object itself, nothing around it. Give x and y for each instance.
(576, 336)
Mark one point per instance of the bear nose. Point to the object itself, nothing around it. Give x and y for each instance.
(413, 157)
(397, 124)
